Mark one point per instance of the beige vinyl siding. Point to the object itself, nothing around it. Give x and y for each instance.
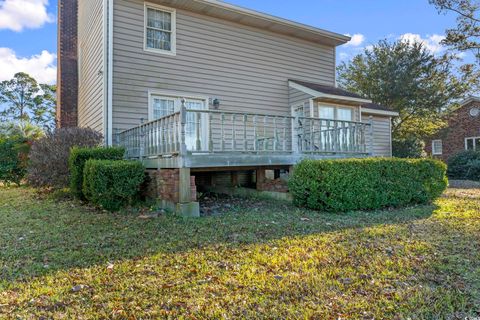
(91, 59)
(297, 98)
(382, 143)
(247, 69)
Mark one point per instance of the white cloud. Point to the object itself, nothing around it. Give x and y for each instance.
(41, 66)
(17, 15)
(357, 40)
(431, 42)
(343, 56)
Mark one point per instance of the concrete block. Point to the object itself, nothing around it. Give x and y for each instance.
(188, 210)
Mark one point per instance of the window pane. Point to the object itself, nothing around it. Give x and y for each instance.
(162, 107)
(158, 39)
(327, 113)
(159, 19)
(437, 147)
(477, 144)
(195, 124)
(470, 145)
(344, 114)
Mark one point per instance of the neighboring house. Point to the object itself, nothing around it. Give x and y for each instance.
(462, 132)
(208, 89)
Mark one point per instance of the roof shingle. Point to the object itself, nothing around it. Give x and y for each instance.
(331, 90)
(328, 89)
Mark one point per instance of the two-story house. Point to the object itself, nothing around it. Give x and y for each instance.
(206, 89)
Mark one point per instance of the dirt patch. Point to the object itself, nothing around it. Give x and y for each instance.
(212, 204)
(467, 193)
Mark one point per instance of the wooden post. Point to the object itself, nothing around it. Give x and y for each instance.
(185, 195)
(223, 131)
(198, 143)
(234, 178)
(245, 142)
(182, 150)
(260, 177)
(370, 151)
(210, 133)
(296, 135)
(142, 141)
(255, 135)
(234, 133)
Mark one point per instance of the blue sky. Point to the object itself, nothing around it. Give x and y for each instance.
(28, 34)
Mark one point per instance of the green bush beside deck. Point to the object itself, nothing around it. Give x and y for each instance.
(112, 184)
(78, 158)
(366, 184)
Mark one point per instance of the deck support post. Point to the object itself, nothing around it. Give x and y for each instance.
(184, 192)
(234, 178)
(261, 177)
(185, 206)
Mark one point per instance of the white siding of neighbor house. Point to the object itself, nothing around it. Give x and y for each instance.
(382, 142)
(246, 68)
(91, 60)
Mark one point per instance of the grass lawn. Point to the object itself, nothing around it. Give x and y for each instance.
(269, 260)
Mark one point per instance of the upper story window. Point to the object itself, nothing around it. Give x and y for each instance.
(472, 144)
(437, 147)
(160, 29)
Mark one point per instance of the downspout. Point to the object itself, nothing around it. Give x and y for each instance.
(108, 74)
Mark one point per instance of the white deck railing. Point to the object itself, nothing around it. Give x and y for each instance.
(190, 132)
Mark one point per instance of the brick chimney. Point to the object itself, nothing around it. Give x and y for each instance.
(67, 69)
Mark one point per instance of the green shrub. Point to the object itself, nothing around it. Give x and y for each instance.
(112, 184)
(366, 184)
(78, 158)
(13, 159)
(464, 166)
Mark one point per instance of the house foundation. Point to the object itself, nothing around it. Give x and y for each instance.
(175, 189)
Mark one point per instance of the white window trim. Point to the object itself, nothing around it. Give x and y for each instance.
(173, 51)
(433, 147)
(471, 138)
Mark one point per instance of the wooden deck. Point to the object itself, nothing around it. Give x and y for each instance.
(210, 138)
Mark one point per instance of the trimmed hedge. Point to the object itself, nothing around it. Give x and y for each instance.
(78, 158)
(112, 184)
(366, 184)
(464, 166)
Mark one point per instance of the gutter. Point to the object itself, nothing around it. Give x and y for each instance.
(380, 112)
(110, 74)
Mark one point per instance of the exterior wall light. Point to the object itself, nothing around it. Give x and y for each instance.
(216, 103)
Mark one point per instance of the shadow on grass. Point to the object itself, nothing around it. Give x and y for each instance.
(42, 236)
